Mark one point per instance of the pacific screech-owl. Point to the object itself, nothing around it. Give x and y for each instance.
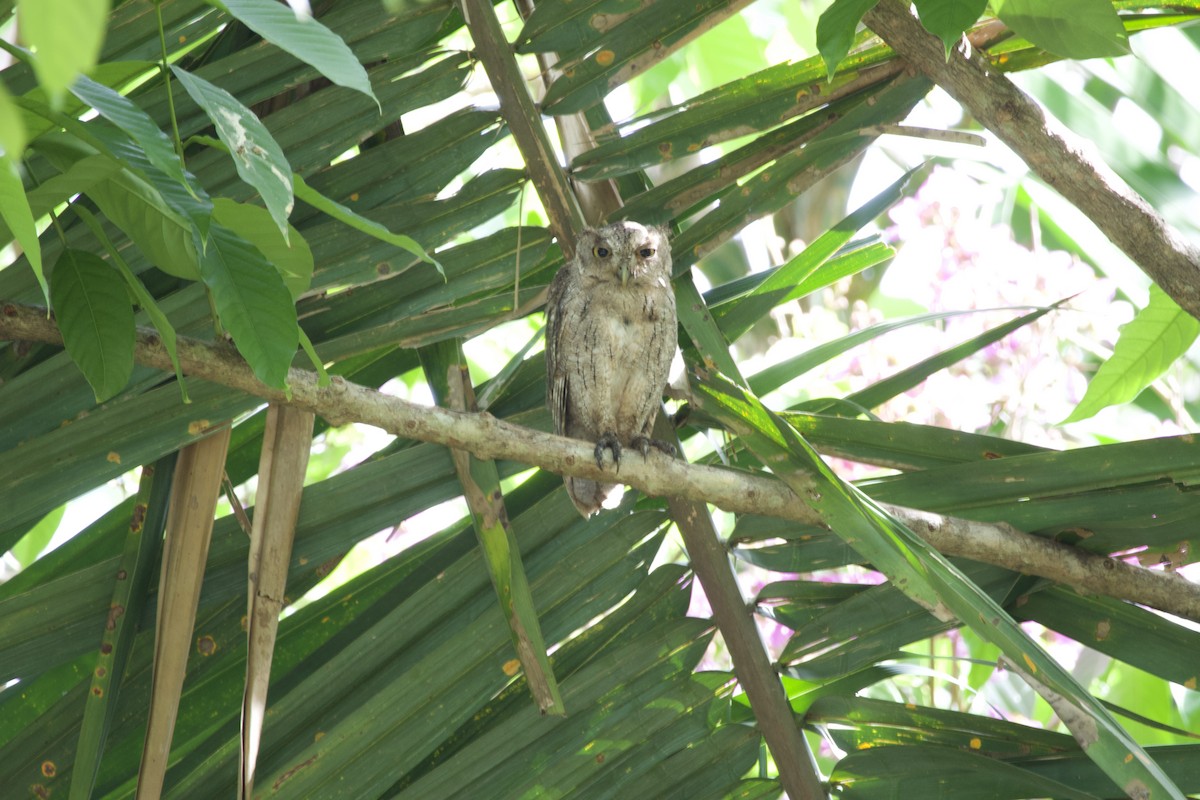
(610, 338)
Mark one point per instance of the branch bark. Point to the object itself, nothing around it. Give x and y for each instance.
(657, 475)
(1056, 155)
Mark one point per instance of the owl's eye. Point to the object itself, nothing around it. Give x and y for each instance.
(646, 252)
(600, 251)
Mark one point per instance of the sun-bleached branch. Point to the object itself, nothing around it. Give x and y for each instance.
(657, 475)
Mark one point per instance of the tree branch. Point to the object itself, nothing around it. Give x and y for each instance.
(656, 475)
(1055, 154)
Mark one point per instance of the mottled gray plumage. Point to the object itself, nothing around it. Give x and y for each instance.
(610, 338)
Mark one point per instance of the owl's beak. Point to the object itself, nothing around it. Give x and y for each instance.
(624, 274)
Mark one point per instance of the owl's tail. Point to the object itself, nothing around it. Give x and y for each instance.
(588, 496)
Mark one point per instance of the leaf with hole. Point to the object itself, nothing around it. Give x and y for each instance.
(257, 156)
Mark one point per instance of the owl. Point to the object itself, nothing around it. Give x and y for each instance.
(610, 338)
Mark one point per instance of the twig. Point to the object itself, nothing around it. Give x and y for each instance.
(656, 475)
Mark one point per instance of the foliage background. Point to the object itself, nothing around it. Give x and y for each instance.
(410, 658)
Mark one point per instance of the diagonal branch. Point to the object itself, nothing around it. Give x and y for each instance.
(797, 772)
(657, 476)
(1058, 156)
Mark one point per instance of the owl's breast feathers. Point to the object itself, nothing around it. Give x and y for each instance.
(610, 339)
(613, 347)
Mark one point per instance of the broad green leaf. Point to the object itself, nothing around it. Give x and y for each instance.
(143, 297)
(126, 115)
(290, 255)
(65, 38)
(13, 135)
(1149, 344)
(259, 160)
(361, 223)
(303, 37)
(836, 28)
(164, 235)
(79, 177)
(1067, 28)
(948, 19)
(96, 320)
(15, 211)
(927, 577)
(109, 73)
(253, 303)
(188, 199)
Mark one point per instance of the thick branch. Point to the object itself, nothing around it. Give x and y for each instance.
(656, 475)
(1056, 155)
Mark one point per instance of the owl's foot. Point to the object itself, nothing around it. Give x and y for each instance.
(609, 442)
(644, 443)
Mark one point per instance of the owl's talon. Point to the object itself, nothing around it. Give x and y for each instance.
(609, 442)
(644, 443)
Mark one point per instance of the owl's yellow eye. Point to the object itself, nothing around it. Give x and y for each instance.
(646, 252)
(600, 251)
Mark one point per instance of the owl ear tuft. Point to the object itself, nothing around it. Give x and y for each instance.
(663, 229)
(584, 241)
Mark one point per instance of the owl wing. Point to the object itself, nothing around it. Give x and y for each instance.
(556, 373)
(659, 353)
